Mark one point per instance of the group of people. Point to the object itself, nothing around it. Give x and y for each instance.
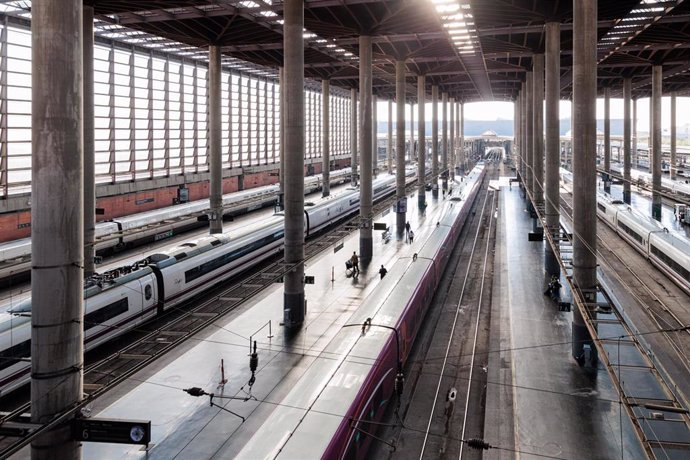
(353, 262)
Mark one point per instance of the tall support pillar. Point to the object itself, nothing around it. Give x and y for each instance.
(281, 145)
(412, 148)
(584, 166)
(57, 221)
(354, 161)
(400, 148)
(421, 136)
(444, 137)
(215, 139)
(374, 136)
(633, 156)
(673, 166)
(89, 146)
(607, 137)
(365, 148)
(461, 135)
(656, 142)
(326, 136)
(529, 130)
(390, 136)
(434, 139)
(627, 90)
(538, 133)
(523, 130)
(516, 127)
(451, 137)
(294, 304)
(552, 141)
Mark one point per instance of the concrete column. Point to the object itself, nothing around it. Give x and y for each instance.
(294, 304)
(461, 134)
(529, 130)
(584, 164)
(451, 138)
(523, 136)
(57, 221)
(390, 136)
(673, 165)
(444, 136)
(538, 133)
(434, 138)
(552, 140)
(633, 155)
(655, 163)
(215, 133)
(281, 145)
(365, 148)
(627, 90)
(326, 136)
(400, 141)
(89, 146)
(516, 129)
(412, 149)
(421, 136)
(374, 136)
(353, 135)
(607, 132)
(457, 137)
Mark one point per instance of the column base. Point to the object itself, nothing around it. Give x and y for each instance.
(294, 310)
(551, 262)
(656, 211)
(581, 338)
(626, 196)
(366, 247)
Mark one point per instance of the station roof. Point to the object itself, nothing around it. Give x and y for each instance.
(473, 49)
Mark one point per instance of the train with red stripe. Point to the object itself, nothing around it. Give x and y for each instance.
(123, 298)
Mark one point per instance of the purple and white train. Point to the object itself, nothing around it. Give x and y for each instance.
(333, 409)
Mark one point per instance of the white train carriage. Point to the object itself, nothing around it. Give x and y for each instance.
(672, 255)
(636, 228)
(210, 260)
(110, 308)
(607, 209)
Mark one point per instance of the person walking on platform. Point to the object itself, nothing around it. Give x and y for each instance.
(355, 264)
(407, 230)
(411, 236)
(382, 271)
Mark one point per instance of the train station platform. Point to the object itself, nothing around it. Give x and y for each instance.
(188, 427)
(539, 401)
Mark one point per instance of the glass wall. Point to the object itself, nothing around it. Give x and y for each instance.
(151, 115)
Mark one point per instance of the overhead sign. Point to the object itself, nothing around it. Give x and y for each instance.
(112, 430)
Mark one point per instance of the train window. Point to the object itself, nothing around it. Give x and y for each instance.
(214, 264)
(601, 207)
(148, 292)
(672, 264)
(14, 354)
(103, 314)
(631, 232)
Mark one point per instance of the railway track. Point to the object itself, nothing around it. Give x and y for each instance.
(655, 307)
(449, 349)
(151, 341)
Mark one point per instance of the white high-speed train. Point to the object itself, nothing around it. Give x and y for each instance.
(158, 224)
(680, 187)
(668, 252)
(123, 298)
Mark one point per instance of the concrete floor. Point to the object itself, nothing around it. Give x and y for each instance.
(539, 401)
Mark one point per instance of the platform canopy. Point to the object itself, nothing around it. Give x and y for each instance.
(473, 49)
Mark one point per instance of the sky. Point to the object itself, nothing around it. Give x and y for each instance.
(504, 110)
